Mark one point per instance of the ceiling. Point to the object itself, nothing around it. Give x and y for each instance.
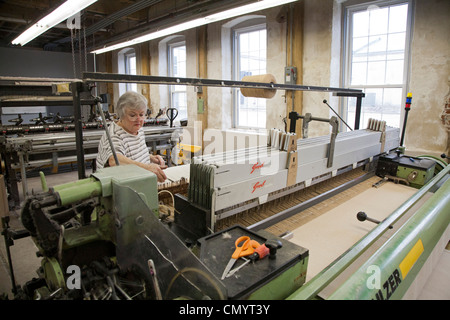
(105, 21)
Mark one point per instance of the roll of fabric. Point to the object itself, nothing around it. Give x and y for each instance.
(257, 92)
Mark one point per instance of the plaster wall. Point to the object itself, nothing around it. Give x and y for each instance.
(430, 75)
(322, 47)
(429, 68)
(317, 38)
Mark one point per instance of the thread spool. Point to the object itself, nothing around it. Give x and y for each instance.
(258, 92)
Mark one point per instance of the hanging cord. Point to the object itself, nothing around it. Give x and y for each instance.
(85, 50)
(79, 52)
(72, 36)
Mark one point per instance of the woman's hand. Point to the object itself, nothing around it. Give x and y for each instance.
(157, 159)
(157, 169)
(153, 167)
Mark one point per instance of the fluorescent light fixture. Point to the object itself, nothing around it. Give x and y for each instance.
(63, 12)
(249, 8)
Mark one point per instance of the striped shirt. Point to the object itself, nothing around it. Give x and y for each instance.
(128, 145)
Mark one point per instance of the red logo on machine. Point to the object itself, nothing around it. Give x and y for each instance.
(257, 166)
(258, 185)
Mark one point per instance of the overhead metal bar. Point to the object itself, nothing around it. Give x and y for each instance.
(126, 78)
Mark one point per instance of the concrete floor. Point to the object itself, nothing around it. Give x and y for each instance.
(25, 261)
(23, 252)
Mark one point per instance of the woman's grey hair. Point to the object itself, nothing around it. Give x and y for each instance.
(131, 100)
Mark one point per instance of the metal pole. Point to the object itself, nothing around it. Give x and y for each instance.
(23, 174)
(102, 115)
(9, 242)
(358, 111)
(76, 89)
(325, 101)
(126, 78)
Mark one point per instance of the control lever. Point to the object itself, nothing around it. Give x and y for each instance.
(171, 113)
(273, 246)
(17, 121)
(362, 216)
(269, 248)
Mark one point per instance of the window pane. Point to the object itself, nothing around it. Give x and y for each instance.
(394, 72)
(251, 58)
(359, 73)
(396, 46)
(179, 61)
(398, 18)
(177, 68)
(376, 72)
(392, 100)
(360, 49)
(132, 64)
(378, 21)
(377, 57)
(130, 68)
(377, 48)
(360, 24)
(382, 104)
(179, 102)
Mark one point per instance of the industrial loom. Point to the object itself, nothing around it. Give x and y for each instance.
(49, 140)
(135, 238)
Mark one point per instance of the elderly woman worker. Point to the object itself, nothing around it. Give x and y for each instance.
(128, 138)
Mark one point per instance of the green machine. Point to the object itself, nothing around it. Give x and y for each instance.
(413, 171)
(103, 238)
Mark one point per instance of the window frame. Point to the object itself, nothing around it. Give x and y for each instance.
(348, 11)
(175, 89)
(128, 55)
(245, 27)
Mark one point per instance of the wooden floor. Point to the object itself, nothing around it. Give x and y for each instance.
(332, 233)
(252, 216)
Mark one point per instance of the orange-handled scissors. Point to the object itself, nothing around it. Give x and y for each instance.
(247, 248)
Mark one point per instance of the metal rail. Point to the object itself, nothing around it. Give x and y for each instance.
(92, 77)
(125, 78)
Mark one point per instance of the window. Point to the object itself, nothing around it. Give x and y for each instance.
(249, 59)
(376, 59)
(177, 68)
(130, 68)
(127, 65)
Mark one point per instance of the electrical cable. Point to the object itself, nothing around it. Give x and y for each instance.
(183, 271)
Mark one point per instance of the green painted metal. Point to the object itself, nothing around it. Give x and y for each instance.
(43, 182)
(101, 184)
(420, 176)
(53, 274)
(72, 184)
(142, 181)
(383, 276)
(280, 287)
(78, 192)
(313, 287)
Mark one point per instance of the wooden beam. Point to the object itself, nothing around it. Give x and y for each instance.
(109, 85)
(145, 69)
(202, 61)
(294, 50)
